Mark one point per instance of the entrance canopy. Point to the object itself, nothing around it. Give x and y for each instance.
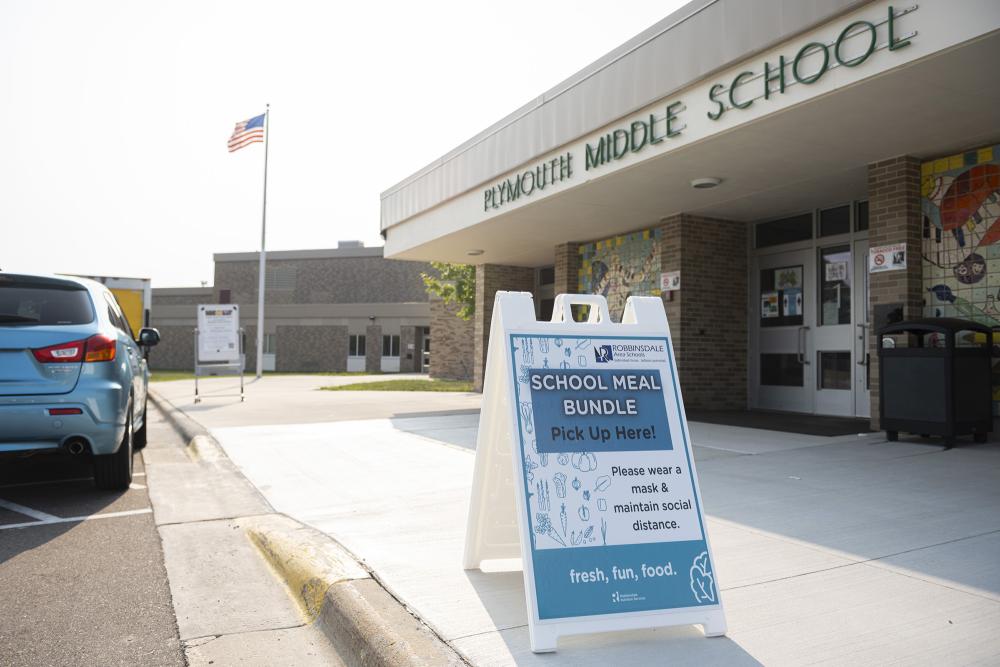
(781, 129)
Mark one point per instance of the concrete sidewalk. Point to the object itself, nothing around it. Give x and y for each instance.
(838, 550)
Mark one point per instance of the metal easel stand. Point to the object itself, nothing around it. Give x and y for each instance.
(238, 366)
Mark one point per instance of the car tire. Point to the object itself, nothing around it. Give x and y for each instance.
(113, 472)
(139, 437)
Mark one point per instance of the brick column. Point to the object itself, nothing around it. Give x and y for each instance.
(409, 361)
(491, 278)
(894, 216)
(373, 348)
(707, 315)
(567, 269)
(452, 346)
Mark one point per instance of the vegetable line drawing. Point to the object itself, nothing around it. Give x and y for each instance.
(584, 342)
(702, 579)
(559, 479)
(526, 416)
(529, 468)
(527, 351)
(543, 345)
(584, 513)
(524, 376)
(581, 360)
(555, 536)
(568, 352)
(542, 523)
(586, 494)
(602, 504)
(584, 461)
(576, 484)
(563, 459)
(557, 342)
(602, 484)
(542, 487)
(604, 531)
(563, 519)
(587, 533)
(543, 458)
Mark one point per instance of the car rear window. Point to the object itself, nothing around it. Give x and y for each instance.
(22, 305)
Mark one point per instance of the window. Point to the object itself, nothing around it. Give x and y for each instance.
(115, 314)
(547, 275)
(390, 346)
(225, 296)
(781, 297)
(835, 285)
(781, 370)
(356, 345)
(835, 370)
(861, 217)
(833, 221)
(25, 304)
(280, 277)
(270, 343)
(785, 230)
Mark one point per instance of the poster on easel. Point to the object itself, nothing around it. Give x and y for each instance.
(584, 469)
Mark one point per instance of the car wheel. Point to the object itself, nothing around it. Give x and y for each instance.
(139, 438)
(113, 472)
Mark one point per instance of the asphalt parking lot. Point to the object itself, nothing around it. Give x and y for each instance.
(82, 578)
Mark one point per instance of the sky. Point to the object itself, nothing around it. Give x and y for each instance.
(114, 117)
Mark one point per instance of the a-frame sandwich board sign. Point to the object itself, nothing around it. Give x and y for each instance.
(584, 469)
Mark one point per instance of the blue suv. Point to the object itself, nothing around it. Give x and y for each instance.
(72, 378)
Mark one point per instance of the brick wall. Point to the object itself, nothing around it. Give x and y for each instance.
(894, 216)
(567, 269)
(373, 348)
(708, 318)
(452, 347)
(176, 348)
(490, 279)
(331, 280)
(311, 349)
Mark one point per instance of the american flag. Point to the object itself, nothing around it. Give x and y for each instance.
(247, 132)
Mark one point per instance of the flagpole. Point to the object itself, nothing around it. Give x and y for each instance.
(263, 236)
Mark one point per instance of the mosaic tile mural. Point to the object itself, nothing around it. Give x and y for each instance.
(960, 196)
(620, 267)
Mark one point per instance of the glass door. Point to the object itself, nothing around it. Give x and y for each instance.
(784, 354)
(834, 340)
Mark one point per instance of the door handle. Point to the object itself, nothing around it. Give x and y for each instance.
(801, 348)
(863, 336)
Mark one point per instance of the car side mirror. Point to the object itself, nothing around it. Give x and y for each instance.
(148, 337)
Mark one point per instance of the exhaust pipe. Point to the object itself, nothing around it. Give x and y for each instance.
(76, 446)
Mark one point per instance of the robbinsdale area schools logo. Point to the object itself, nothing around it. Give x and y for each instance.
(603, 354)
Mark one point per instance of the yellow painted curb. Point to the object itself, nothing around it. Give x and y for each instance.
(307, 561)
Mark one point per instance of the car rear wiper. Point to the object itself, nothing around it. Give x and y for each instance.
(10, 317)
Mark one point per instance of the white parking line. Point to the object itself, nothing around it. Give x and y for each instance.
(26, 511)
(74, 519)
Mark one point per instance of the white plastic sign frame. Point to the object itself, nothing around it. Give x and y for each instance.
(218, 333)
(603, 509)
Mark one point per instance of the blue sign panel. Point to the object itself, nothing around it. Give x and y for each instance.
(612, 506)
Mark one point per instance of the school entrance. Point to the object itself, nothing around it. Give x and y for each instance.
(809, 313)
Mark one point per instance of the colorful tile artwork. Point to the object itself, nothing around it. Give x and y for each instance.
(960, 197)
(621, 266)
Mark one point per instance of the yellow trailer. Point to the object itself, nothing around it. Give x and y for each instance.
(135, 296)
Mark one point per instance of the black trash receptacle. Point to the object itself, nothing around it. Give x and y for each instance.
(935, 378)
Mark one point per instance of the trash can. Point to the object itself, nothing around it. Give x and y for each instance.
(935, 378)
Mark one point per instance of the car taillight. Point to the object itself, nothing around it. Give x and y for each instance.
(61, 354)
(96, 348)
(100, 348)
(56, 412)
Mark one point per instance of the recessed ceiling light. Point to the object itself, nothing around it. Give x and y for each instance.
(705, 183)
(474, 252)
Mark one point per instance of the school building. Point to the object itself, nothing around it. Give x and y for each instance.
(748, 162)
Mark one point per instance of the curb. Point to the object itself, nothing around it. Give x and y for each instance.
(364, 623)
